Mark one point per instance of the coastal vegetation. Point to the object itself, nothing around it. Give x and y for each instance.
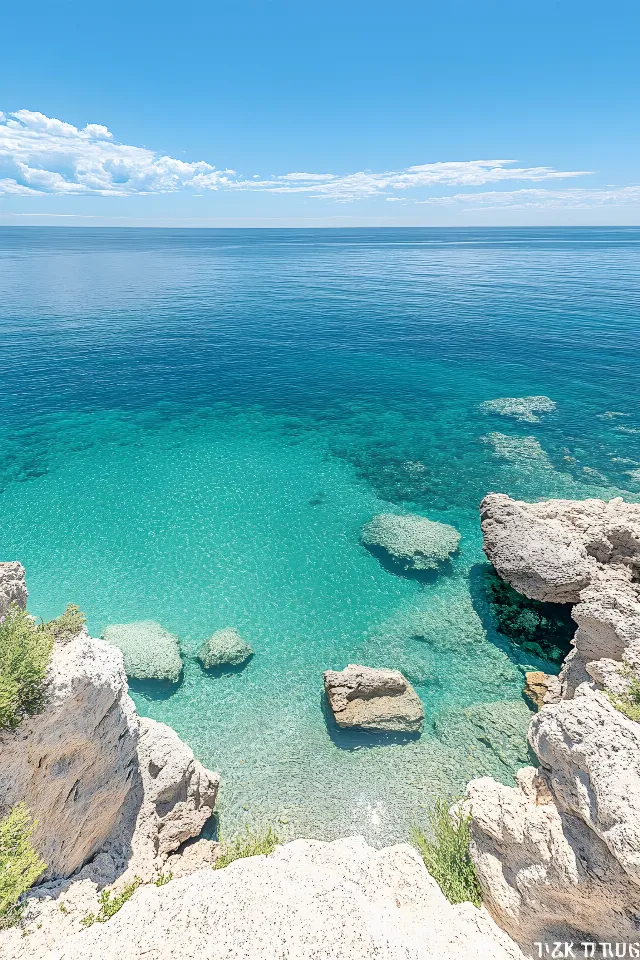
(250, 843)
(110, 904)
(20, 865)
(628, 702)
(446, 852)
(25, 651)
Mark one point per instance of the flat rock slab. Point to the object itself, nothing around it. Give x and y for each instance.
(415, 542)
(150, 652)
(224, 648)
(373, 699)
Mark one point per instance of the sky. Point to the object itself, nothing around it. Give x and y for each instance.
(340, 113)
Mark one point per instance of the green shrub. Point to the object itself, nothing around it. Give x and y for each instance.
(628, 702)
(446, 854)
(109, 905)
(68, 625)
(163, 878)
(251, 843)
(20, 865)
(25, 650)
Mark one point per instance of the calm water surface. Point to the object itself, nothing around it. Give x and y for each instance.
(195, 425)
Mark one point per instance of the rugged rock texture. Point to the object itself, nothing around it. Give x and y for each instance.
(326, 901)
(74, 763)
(13, 587)
(96, 777)
(373, 699)
(224, 648)
(541, 688)
(150, 652)
(520, 408)
(558, 858)
(415, 542)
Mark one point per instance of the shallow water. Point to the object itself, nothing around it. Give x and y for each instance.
(195, 426)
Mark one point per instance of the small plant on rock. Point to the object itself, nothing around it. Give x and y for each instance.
(251, 843)
(20, 865)
(68, 625)
(110, 904)
(446, 853)
(628, 702)
(163, 878)
(25, 651)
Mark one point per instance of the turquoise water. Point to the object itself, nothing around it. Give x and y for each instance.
(195, 426)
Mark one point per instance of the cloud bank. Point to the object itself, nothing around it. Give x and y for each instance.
(42, 155)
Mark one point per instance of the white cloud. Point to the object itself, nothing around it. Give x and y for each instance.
(43, 155)
(39, 154)
(541, 198)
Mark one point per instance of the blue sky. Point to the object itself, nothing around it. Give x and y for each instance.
(320, 114)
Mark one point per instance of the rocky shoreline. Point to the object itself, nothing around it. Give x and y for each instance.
(117, 796)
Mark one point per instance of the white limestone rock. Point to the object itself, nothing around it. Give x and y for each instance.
(373, 699)
(545, 876)
(13, 587)
(74, 763)
(554, 549)
(224, 648)
(307, 901)
(150, 652)
(520, 408)
(413, 541)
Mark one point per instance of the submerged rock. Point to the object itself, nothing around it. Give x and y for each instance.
(150, 652)
(413, 541)
(520, 408)
(373, 699)
(13, 588)
(224, 648)
(332, 901)
(541, 688)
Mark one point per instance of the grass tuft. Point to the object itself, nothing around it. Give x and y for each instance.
(446, 854)
(109, 904)
(251, 843)
(20, 865)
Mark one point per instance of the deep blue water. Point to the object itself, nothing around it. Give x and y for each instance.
(195, 425)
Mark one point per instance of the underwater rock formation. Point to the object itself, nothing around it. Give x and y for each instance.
(414, 542)
(224, 648)
(373, 699)
(332, 901)
(558, 857)
(13, 587)
(520, 408)
(150, 652)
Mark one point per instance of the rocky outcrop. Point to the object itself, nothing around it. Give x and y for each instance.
(373, 699)
(414, 542)
(331, 901)
(150, 652)
(98, 779)
(13, 587)
(558, 857)
(224, 648)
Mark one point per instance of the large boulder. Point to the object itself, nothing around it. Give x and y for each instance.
(373, 699)
(330, 901)
(414, 542)
(150, 652)
(224, 648)
(13, 587)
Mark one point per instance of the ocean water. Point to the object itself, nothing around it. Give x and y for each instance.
(195, 426)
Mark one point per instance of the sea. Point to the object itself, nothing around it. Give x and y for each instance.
(195, 426)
